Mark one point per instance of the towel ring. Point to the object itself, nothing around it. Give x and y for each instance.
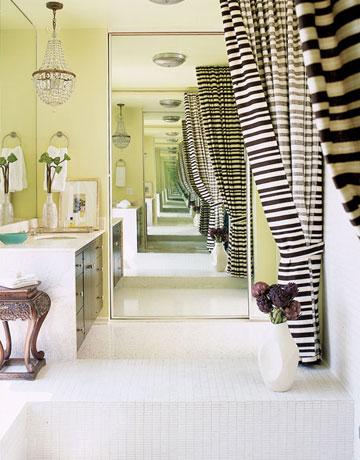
(120, 162)
(13, 135)
(59, 134)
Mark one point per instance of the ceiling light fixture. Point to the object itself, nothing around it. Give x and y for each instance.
(121, 139)
(171, 118)
(172, 133)
(166, 2)
(54, 82)
(173, 140)
(169, 59)
(170, 103)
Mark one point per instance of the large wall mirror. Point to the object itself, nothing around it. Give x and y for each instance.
(166, 192)
(18, 108)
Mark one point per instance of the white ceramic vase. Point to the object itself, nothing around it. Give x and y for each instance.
(6, 210)
(219, 257)
(278, 358)
(196, 220)
(50, 214)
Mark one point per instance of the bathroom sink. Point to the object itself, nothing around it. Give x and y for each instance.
(54, 237)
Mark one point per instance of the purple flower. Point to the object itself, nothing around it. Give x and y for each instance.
(264, 303)
(292, 289)
(219, 234)
(279, 296)
(293, 311)
(259, 288)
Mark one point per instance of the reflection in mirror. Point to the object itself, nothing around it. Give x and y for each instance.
(166, 189)
(18, 114)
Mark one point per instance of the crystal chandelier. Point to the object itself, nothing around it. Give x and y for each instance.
(121, 139)
(54, 82)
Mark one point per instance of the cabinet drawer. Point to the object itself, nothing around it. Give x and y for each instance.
(80, 328)
(99, 299)
(98, 248)
(79, 292)
(79, 264)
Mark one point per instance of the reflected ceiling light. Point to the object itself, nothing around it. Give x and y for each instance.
(169, 59)
(172, 133)
(121, 139)
(170, 103)
(173, 140)
(54, 82)
(171, 118)
(166, 2)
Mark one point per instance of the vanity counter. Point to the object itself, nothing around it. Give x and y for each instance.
(57, 263)
(54, 242)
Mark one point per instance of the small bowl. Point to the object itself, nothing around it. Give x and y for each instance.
(13, 238)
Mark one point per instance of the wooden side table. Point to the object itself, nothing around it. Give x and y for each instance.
(30, 304)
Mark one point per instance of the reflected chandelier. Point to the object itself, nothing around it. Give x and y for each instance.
(54, 82)
(121, 139)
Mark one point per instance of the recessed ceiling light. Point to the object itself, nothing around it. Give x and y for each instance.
(166, 2)
(169, 59)
(171, 103)
(172, 133)
(171, 118)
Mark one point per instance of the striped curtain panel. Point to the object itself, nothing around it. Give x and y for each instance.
(226, 147)
(184, 176)
(330, 35)
(274, 107)
(201, 164)
(204, 206)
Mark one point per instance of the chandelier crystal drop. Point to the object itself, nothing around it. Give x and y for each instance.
(54, 82)
(121, 139)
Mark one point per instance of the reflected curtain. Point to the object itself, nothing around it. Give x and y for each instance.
(329, 31)
(226, 147)
(282, 144)
(204, 206)
(184, 175)
(201, 165)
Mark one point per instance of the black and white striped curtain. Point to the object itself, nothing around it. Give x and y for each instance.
(184, 176)
(330, 36)
(226, 147)
(204, 206)
(201, 165)
(273, 102)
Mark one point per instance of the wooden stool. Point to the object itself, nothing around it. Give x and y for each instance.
(26, 304)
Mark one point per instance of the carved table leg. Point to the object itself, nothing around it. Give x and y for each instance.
(30, 330)
(8, 340)
(2, 362)
(37, 354)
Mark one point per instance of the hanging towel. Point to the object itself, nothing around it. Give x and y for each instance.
(59, 181)
(120, 176)
(17, 170)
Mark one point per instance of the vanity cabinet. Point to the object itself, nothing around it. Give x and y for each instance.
(89, 287)
(139, 228)
(117, 253)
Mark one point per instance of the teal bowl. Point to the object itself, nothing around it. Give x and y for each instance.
(13, 238)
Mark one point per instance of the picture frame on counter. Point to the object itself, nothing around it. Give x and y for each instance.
(79, 203)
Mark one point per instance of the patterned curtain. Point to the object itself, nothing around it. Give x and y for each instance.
(226, 147)
(201, 164)
(204, 206)
(184, 175)
(273, 102)
(329, 31)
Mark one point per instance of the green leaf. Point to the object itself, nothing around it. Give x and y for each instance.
(57, 160)
(44, 157)
(12, 158)
(66, 157)
(58, 169)
(2, 161)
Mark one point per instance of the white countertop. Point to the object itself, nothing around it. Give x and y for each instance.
(66, 242)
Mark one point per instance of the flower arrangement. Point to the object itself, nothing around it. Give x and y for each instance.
(52, 167)
(5, 167)
(277, 300)
(196, 208)
(220, 235)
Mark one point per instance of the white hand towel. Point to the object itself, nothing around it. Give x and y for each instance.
(17, 170)
(13, 281)
(59, 181)
(120, 176)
